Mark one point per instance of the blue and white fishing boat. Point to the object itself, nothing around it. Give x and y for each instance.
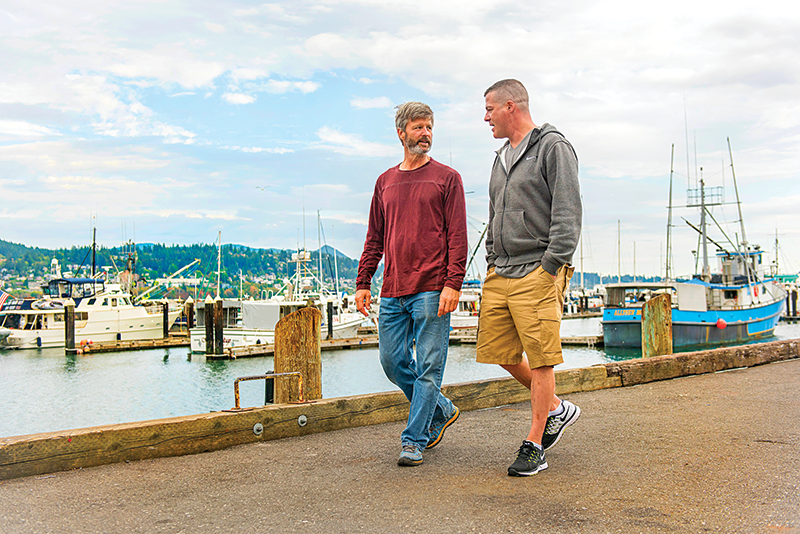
(738, 304)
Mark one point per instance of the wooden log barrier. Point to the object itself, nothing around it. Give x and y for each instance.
(657, 326)
(48, 452)
(297, 348)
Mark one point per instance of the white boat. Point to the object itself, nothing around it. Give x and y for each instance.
(102, 313)
(466, 315)
(252, 322)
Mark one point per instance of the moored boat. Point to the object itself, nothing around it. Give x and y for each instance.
(102, 313)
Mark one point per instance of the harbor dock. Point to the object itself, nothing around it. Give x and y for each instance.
(712, 452)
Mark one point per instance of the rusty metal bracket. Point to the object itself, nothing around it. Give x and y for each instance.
(238, 408)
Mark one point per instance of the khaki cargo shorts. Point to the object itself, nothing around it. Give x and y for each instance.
(522, 315)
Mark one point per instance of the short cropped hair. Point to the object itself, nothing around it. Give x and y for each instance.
(510, 89)
(411, 111)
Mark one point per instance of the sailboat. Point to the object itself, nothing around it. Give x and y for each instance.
(739, 303)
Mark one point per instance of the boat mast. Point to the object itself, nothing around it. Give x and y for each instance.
(669, 215)
(219, 261)
(619, 255)
(335, 261)
(738, 202)
(319, 258)
(741, 219)
(706, 271)
(94, 250)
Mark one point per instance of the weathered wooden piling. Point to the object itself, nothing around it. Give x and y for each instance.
(657, 326)
(188, 310)
(165, 316)
(297, 348)
(219, 324)
(330, 320)
(209, 321)
(69, 325)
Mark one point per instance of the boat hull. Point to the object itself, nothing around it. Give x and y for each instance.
(622, 327)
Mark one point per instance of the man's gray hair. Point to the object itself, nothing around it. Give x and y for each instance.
(411, 111)
(509, 89)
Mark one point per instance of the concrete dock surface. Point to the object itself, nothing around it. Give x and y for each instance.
(710, 453)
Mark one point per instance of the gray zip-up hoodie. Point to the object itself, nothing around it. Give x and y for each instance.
(535, 206)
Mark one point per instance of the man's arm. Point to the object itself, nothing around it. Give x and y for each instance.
(455, 213)
(372, 254)
(561, 166)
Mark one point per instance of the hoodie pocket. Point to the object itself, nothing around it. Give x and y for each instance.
(516, 237)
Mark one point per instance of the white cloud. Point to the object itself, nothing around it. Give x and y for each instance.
(353, 144)
(368, 103)
(216, 28)
(282, 86)
(256, 149)
(24, 129)
(238, 98)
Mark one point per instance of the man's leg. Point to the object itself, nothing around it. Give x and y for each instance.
(395, 334)
(522, 373)
(431, 334)
(543, 386)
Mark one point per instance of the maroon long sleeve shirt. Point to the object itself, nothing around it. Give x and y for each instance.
(418, 220)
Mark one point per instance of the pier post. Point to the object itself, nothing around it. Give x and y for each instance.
(219, 325)
(165, 318)
(794, 303)
(657, 326)
(69, 325)
(330, 319)
(297, 348)
(209, 322)
(188, 309)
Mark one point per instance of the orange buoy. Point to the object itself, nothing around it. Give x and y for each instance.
(721, 324)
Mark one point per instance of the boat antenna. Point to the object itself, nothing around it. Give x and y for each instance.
(669, 215)
(686, 136)
(619, 255)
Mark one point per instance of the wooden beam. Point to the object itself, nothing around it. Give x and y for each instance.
(57, 451)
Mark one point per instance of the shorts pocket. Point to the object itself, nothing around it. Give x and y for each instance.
(550, 321)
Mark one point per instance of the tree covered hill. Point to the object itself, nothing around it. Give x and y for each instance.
(159, 260)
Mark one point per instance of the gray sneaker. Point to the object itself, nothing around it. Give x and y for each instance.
(437, 431)
(410, 456)
(556, 424)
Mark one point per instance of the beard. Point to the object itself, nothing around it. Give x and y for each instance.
(414, 148)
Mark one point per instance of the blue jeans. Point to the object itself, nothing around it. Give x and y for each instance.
(402, 322)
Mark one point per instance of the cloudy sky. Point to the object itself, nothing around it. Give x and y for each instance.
(169, 121)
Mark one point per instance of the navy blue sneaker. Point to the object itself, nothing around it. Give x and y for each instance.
(437, 431)
(409, 456)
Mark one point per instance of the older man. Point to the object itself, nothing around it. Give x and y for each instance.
(417, 220)
(534, 226)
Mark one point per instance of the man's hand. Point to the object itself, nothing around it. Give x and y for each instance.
(448, 300)
(363, 301)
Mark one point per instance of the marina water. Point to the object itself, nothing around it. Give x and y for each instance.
(45, 390)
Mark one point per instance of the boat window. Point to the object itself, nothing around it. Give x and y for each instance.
(92, 301)
(12, 320)
(731, 293)
(58, 318)
(113, 302)
(105, 302)
(81, 316)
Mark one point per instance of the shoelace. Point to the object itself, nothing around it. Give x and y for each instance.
(527, 452)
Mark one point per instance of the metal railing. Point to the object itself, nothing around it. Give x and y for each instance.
(238, 408)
